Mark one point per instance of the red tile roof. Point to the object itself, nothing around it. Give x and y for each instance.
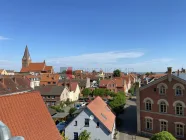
(118, 81)
(47, 68)
(100, 109)
(26, 115)
(73, 86)
(11, 84)
(36, 67)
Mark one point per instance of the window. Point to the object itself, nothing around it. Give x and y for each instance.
(48, 82)
(52, 103)
(97, 124)
(163, 126)
(86, 122)
(52, 97)
(179, 130)
(148, 124)
(148, 105)
(54, 82)
(48, 97)
(48, 103)
(178, 91)
(75, 123)
(163, 107)
(113, 85)
(75, 136)
(179, 109)
(162, 90)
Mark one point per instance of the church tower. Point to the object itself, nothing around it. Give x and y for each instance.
(26, 60)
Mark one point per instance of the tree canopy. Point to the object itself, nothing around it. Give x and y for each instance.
(72, 110)
(116, 73)
(86, 92)
(118, 102)
(84, 135)
(164, 135)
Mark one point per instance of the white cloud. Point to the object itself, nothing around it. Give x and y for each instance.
(95, 58)
(109, 61)
(3, 38)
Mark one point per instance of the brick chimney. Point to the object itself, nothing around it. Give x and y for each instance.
(14, 79)
(169, 73)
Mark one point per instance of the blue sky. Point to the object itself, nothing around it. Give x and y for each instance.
(146, 35)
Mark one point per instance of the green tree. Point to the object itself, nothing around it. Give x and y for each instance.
(147, 73)
(116, 73)
(67, 102)
(86, 92)
(164, 135)
(99, 92)
(62, 104)
(72, 110)
(84, 135)
(118, 102)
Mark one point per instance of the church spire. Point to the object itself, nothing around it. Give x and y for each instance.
(26, 54)
(26, 60)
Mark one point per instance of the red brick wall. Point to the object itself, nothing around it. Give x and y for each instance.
(155, 96)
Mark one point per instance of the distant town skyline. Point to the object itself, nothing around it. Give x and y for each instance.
(141, 35)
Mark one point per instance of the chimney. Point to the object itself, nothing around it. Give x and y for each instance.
(169, 73)
(178, 73)
(14, 79)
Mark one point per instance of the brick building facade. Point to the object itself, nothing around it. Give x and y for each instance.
(161, 106)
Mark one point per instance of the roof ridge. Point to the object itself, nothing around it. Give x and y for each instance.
(18, 93)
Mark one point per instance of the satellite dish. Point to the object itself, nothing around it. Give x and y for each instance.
(91, 117)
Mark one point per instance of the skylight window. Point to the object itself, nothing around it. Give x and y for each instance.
(103, 116)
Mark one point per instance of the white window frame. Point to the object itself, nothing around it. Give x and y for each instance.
(148, 120)
(183, 129)
(160, 86)
(182, 110)
(165, 111)
(182, 88)
(162, 90)
(148, 104)
(166, 126)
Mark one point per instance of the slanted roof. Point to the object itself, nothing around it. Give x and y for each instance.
(100, 109)
(50, 89)
(26, 115)
(26, 54)
(60, 115)
(81, 82)
(11, 84)
(73, 86)
(47, 68)
(34, 67)
(51, 111)
(103, 83)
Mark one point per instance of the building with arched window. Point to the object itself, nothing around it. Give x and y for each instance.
(161, 105)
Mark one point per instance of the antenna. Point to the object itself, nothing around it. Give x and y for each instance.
(91, 117)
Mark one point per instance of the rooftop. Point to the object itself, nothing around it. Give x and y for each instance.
(26, 115)
(100, 109)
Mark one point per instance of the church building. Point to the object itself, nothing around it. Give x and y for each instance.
(38, 67)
